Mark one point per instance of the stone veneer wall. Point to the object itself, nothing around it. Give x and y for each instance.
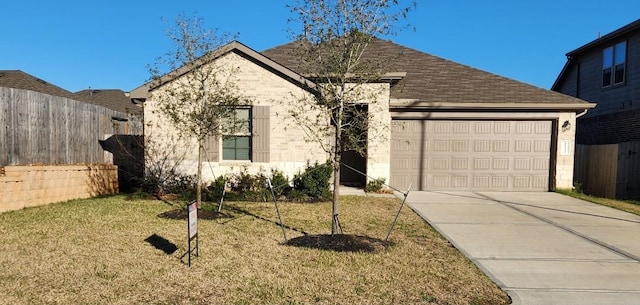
(28, 186)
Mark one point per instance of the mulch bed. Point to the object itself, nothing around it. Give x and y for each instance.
(340, 243)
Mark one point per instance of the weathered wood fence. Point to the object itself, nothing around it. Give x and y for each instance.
(37, 128)
(611, 170)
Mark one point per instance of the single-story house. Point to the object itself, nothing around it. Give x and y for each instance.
(448, 126)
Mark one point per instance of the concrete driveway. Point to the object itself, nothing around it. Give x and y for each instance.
(542, 248)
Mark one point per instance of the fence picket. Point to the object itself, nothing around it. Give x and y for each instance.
(41, 128)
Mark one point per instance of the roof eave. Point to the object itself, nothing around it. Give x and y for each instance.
(606, 38)
(422, 106)
(142, 92)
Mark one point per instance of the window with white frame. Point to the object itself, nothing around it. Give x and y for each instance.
(236, 137)
(613, 64)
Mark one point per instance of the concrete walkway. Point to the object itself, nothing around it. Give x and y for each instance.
(542, 248)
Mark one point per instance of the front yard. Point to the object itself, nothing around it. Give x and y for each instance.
(94, 252)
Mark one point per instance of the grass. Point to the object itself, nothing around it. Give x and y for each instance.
(94, 252)
(631, 206)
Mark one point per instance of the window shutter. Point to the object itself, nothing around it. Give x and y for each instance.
(212, 150)
(261, 134)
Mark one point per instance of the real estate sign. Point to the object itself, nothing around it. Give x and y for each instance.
(193, 220)
(192, 228)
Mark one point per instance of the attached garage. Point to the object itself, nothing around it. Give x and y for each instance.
(481, 155)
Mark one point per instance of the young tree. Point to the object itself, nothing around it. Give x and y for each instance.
(332, 50)
(196, 93)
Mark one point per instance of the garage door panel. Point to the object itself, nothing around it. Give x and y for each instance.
(471, 155)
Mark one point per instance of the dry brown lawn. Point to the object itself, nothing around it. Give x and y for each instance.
(631, 206)
(94, 252)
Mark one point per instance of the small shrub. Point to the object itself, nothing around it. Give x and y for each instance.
(314, 182)
(280, 183)
(151, 185)
(242, 182)
(184, 186)
(298, 196)
(250, 187)
(213, 192)
(375, 186)
(577, 188)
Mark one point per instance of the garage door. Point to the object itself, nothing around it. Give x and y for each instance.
(471, 155)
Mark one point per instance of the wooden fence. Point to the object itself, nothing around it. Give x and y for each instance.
(37, 128)
(611, 170)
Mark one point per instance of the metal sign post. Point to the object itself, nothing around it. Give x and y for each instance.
(192, 228)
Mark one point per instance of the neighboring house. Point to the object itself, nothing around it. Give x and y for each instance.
(606, 71)
(20, 80)
(449, 126)
(114, 99)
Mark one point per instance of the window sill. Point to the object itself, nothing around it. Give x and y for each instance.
(614, 86)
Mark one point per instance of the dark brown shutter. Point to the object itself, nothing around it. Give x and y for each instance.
(261, 131)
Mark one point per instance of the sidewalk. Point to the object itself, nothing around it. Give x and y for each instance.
(542, 248)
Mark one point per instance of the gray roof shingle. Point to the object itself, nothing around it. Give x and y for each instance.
(113, 99)
(20, 80)
(433, 80)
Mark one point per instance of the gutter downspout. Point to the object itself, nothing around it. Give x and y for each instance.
(581, 113)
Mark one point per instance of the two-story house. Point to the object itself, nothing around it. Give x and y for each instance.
(606, 71)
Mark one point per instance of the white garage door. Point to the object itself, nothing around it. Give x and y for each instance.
(471, 155)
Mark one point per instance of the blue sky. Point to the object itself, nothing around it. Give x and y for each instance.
(109, 44)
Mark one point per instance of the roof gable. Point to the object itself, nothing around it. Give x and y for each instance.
(234, 46)
(633, 27)
(431, 80)
(608, 38)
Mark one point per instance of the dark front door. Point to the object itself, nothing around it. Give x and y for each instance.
(353, 169)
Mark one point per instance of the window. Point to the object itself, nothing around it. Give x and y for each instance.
(613, 64)
(236, 135)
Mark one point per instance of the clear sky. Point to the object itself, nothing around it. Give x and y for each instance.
(109, 44)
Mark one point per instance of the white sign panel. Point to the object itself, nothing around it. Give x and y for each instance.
(193, 220)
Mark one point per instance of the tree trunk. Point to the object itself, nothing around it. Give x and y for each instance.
(335, 222)
(199, 175)
(337, 158)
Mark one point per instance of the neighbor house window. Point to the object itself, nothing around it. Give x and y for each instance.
(613, 64)
(236, 137)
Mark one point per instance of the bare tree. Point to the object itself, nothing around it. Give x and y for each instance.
(190, 88)
(331, 50)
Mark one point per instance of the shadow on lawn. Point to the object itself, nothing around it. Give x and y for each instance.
(242, 211)
(161, 243)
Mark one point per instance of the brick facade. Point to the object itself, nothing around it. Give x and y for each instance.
(609, 129)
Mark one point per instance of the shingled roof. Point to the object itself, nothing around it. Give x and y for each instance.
(20, 80)
(113, 99)
(432, 81)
